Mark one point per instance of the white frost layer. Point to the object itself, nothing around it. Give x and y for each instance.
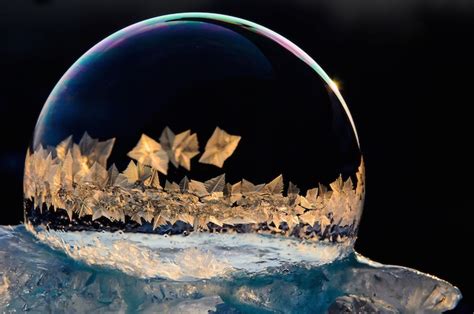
(196, 256)
(4, 293)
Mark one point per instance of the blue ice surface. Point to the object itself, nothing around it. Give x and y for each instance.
(36, 278)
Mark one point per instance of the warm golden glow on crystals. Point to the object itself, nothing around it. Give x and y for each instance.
(63, 148)
(96, 175)
(220, 146)
(94, 150)
(150, 153)
(74, 178)
(185, 147)
(181, 148)
(275, 186)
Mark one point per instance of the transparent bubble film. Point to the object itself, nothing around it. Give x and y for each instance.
(198, 128)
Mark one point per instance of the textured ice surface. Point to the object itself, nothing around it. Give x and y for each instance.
(37, 278)
(196, 256)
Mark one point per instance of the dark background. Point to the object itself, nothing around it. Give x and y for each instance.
(406, 71)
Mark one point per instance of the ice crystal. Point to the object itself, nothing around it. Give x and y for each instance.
(150, 153)
(220, 146)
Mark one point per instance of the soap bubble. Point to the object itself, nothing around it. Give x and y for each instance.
(196, 124)
(199, 146)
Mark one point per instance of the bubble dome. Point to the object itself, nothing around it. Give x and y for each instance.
(201, 125)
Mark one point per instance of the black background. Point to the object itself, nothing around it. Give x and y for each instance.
(406, 69)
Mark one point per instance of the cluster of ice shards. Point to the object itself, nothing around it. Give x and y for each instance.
(73, 178)
(179, 149)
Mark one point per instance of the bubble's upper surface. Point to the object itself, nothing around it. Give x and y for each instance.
(198, 71)
(191, 97)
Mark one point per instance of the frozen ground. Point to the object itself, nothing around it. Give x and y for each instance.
(215, 273)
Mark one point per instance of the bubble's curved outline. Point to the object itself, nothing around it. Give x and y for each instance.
(161, 21)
